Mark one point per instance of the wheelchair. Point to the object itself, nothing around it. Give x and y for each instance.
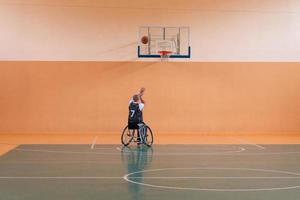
(142, 135)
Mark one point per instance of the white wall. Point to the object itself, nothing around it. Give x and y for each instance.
(231, 30)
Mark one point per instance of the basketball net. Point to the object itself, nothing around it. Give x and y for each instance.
(164, 55)
(165, 49)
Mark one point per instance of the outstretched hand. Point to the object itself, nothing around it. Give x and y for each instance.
(142, 90)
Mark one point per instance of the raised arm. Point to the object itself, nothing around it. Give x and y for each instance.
(142, 100)
(141, 93)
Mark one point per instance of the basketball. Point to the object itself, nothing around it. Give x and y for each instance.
(144, 40)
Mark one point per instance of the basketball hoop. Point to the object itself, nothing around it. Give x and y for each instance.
(164, 55)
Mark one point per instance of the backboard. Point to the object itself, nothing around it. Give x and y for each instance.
(173, 39)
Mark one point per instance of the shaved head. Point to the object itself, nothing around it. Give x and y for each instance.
(136, 98)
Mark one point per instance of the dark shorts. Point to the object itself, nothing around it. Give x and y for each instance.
(133, 125)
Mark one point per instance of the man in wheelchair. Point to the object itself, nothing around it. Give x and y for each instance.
(135, 117)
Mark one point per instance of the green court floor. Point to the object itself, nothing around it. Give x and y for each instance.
(214, 172)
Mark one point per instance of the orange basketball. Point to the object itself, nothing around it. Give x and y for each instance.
(144, 40)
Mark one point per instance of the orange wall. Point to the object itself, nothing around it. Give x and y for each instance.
(181, 97)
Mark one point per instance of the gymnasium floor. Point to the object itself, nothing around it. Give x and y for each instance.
(240, 168)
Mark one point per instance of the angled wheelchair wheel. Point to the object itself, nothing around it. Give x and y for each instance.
(148, 138)
(127, 136)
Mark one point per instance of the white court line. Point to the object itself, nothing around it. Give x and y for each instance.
(215, 177)
(128, 177)
(64, 152)
(94, 142)
(249, 143)
(119, 149)
(58, 177)
(138, 177)
(237, 153)
(45, 162)
(240, 149)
